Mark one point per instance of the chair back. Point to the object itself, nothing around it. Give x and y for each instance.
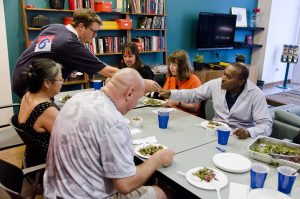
(32, 151)
(11, 179)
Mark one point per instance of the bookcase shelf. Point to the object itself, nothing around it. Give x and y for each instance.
(30, 32)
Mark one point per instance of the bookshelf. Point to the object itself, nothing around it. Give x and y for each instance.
(132, 9)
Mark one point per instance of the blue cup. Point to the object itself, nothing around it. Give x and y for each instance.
(163, 119)
(97, 84)
(223, 135)
(286, 179)
(258, 174)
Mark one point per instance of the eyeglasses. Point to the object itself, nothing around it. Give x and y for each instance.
(93, 30)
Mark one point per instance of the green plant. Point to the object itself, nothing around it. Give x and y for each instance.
(199, 58)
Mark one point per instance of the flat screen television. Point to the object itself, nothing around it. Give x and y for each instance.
(215, 31)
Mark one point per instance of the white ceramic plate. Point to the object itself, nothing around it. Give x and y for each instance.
(158, 102)
(137, 149)
(221, 181)
(206, 125)
(266, 194)
(232, 162)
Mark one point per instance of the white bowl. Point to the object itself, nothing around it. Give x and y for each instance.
(137, 121)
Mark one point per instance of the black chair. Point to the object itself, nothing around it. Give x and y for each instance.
(11, 178)
(33, 150)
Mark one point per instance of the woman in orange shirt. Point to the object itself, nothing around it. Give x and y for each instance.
(181, 77)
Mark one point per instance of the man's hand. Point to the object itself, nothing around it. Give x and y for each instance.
(165, 94)
(241, 133)
(151, 85)
(171, 103)
(164, 157)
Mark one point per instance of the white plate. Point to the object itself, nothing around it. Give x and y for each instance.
(266, 194)
(205, 124)
(159, 102)
(232, 162)
(137, 149)
(221, 181)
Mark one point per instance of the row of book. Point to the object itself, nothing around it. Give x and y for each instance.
(152, 23)
(109, 44)
(144, 6)
(76, 4)
(151, 43)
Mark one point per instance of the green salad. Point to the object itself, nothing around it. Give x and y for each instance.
(278, 149)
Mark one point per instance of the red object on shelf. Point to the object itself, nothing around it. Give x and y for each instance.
(68, 20)
(103, 6)
(140, 46)
(72, 4)
(124, 24)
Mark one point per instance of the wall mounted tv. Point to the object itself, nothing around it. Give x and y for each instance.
(215, 31)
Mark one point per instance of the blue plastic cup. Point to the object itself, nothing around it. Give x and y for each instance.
(258, 174)
(163, 119)
(286, 179)
(223, 135)
(97, 84)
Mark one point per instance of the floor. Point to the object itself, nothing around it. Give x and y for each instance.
(274, 89)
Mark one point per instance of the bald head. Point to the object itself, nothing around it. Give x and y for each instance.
(125, 88)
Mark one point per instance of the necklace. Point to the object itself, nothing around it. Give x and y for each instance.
(103, 91)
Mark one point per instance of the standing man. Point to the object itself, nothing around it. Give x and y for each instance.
(236, 101)
(90, 152)
(65, 45)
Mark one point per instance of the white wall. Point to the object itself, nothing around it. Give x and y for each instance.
(282, 29)
(296, 69)
(5, 86)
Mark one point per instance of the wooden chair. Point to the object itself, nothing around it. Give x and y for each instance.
(11, 178)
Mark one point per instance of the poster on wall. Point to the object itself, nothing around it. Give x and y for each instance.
(241, 19)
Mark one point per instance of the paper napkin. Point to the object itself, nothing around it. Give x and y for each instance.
(150, 140)
(135, 131)
(238, 191)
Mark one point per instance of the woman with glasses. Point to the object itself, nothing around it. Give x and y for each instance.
(181, 77)
(37, 111)
(131, 59)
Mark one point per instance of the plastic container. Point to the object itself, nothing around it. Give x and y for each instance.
(124, 24)
(103, 6)
(109, 25)
(68, 20)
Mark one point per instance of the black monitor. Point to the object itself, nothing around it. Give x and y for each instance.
(215, 31)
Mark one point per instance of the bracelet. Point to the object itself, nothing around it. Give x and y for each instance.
(179, 104)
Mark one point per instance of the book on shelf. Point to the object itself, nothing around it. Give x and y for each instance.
(76, 4)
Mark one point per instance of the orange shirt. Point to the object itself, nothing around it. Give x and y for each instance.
(173, 83)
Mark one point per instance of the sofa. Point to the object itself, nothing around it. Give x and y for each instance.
(286, 119)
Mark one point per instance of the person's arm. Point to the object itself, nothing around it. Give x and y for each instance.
(261, 116)
(195, 95)
(144, 171)
(193, 108)
(47, 119)
(108, 71)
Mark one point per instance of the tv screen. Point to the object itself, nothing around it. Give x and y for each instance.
(215, 31)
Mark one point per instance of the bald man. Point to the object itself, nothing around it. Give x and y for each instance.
(90, 152)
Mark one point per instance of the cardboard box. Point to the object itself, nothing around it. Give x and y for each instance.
(103, 6)
(124, 24)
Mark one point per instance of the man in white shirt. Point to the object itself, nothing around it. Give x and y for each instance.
(236, 101)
